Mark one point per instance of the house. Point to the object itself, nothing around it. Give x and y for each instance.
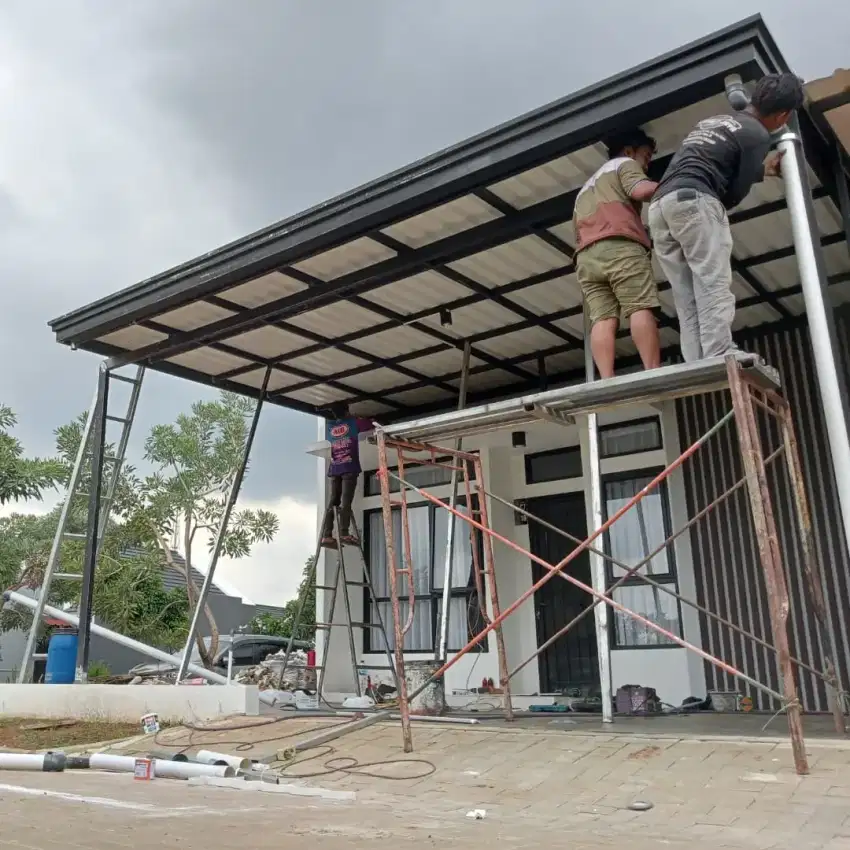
(370, 297)
(231, 612)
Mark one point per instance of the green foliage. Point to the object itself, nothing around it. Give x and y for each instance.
(267, 624)
(22, 478)
(194, 461)
(98, 670)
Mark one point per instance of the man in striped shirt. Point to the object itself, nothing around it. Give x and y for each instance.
(613, 262)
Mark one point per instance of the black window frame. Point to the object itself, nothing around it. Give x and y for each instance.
(470, 592)
(533, 456)
(668, 578)
(372, 485)
(616, 426)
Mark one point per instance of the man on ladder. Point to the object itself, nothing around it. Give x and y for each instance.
(342, 431)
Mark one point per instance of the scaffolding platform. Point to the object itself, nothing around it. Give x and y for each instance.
(645, 387)
(753, 387)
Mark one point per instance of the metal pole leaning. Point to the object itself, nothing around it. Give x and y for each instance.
(230, 501)
(769, 554)
(442, 648)
(387, 511)
(25, 672)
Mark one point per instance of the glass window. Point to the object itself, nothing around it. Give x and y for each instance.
(652, 603)
(428, 525)
(243, 653)
(633, 537)
(422, 475)
(630, 438)
(641, 530)
(553, 466)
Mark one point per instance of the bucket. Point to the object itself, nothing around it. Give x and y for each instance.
(432, 701)
(724, 701)
(143, 769)
(61, 658)
(150, 724)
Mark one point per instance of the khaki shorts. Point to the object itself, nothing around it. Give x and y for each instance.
(616, 279)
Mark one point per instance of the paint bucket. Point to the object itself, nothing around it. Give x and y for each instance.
(306, 702)
(432, 701)
(725, 701)
(143, 769)
(150, 724)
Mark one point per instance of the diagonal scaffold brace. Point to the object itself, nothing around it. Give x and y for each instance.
(747, 395)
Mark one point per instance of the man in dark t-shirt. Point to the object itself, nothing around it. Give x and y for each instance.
(712, 172)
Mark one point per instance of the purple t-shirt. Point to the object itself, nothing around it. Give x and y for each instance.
(342, 434)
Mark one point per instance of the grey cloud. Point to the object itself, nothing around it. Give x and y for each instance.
(137, 135)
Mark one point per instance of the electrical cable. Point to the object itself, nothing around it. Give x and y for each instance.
(337, 764)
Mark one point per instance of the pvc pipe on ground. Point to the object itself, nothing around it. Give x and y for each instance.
(211, 757)
(46, 762)
(143, 648)
(162, 768)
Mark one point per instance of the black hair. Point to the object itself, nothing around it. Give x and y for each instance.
(338, 410)
(777, 93)
(634, 138)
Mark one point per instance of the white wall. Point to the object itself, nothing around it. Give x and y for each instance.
(173, 704)
(673, 672)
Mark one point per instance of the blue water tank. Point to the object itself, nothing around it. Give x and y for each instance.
(61, 658)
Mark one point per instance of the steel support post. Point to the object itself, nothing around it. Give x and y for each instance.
(767, 540)
(230, 501)
(597, 563)
(98, 448)
(387, 511)
(442, 648)
(819, 315)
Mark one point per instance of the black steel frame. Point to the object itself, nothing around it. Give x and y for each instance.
(635, 97)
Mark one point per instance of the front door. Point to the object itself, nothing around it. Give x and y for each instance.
(570, 662)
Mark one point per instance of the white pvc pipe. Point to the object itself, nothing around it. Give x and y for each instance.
(143, 648)
(211, 757)
(162, 768)
(32, 761)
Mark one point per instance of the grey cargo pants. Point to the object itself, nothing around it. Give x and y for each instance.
(693, 244)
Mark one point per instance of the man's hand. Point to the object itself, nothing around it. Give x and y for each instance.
(772, 164)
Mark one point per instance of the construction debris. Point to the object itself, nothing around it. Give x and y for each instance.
(266, 675)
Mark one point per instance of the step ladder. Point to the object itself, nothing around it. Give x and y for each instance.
(342, 583)
(110, 474)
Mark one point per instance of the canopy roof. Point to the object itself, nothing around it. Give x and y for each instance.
(368, 298)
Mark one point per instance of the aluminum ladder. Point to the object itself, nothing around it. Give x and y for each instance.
(111, 470)
(342, 583)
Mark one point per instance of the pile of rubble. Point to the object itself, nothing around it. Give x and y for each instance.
(266, 675)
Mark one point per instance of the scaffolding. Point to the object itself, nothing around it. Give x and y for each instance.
(753, 387)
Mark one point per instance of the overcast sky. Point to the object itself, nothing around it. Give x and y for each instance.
(136, 135)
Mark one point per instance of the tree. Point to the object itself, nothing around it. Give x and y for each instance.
(268, 624)
(22, 478)
(195, 461)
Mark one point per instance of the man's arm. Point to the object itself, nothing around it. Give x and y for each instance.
(753, 150)
(635, 183)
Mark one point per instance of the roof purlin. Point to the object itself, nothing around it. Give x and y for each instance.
(663, 84)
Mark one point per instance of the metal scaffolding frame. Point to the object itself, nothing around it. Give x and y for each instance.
(752, 387)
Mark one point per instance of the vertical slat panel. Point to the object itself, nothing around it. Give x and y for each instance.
(728, 572)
